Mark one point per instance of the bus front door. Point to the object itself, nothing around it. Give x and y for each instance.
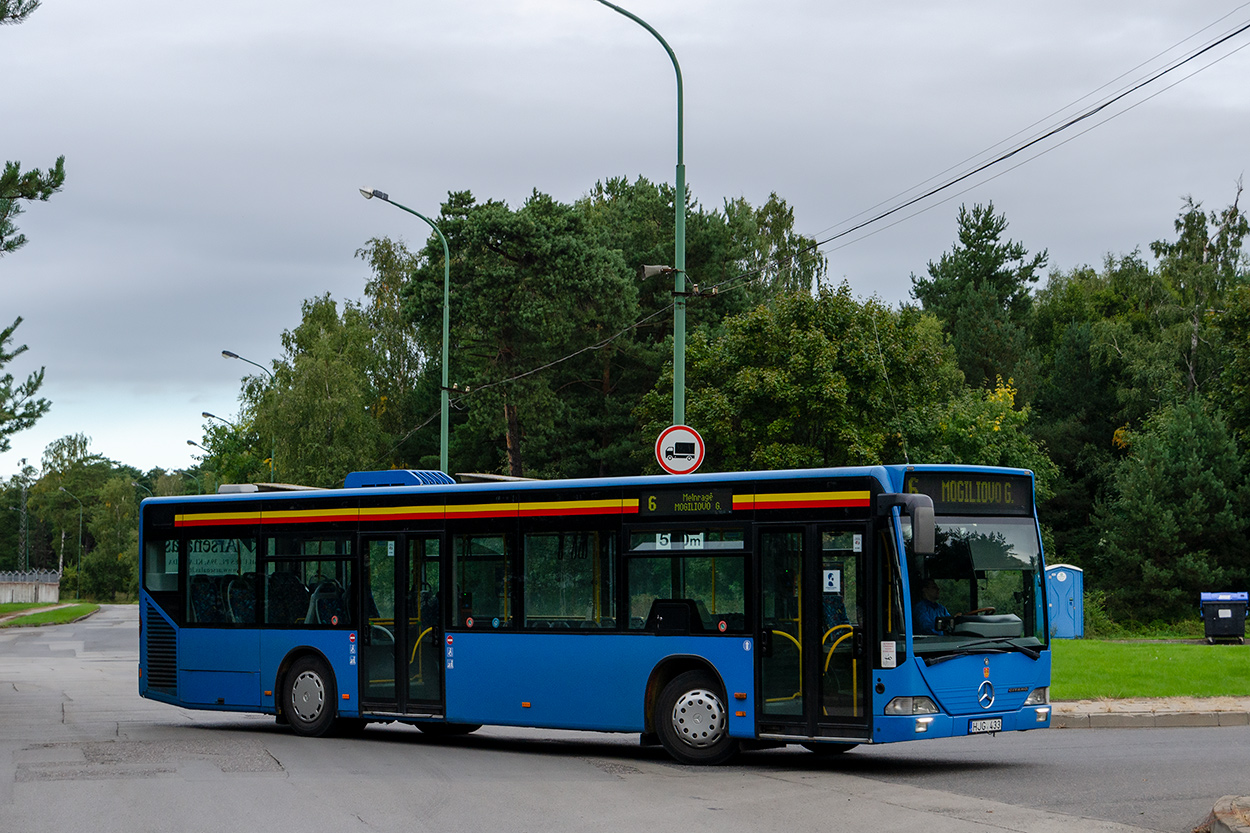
(401, 663)
(814, 675)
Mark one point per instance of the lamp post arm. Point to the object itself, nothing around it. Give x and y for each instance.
(231, 355)
(672, 56)
(679, 229)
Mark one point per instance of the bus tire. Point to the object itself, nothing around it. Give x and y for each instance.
(828, 750)
(447, 730)
(692, 721)
(310, 697)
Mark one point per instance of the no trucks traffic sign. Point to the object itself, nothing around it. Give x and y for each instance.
(679, 449)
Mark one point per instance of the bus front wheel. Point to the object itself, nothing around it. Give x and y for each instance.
(309, 697)
(692, 721)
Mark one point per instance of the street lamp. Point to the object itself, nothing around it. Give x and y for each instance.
(273, 448)
(444, 399)
(79, 571)
(137, 484)
(679, 254)
(200, 447)
(227, 354)
(207, 415)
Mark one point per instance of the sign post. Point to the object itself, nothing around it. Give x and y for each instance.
(679, 449)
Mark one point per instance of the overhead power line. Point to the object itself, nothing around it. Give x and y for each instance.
(1020, 148)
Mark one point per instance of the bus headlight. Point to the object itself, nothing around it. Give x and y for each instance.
(911, 705)
(1038, 696)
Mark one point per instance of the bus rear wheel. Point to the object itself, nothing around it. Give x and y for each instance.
(309, 697)
(692, 721)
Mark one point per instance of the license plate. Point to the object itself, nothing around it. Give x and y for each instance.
(989, 724)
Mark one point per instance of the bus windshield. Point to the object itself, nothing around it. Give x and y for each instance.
(981, 590)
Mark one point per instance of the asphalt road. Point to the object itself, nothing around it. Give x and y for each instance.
(80, 750)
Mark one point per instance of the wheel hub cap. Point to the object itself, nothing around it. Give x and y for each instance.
(308, 696)
(699, 718)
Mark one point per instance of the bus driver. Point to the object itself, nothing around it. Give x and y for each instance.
(927, 609)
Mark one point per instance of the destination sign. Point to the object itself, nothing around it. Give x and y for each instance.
(973, 493)
(687, 502)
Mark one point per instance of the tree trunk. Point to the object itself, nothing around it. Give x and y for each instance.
(514, 440)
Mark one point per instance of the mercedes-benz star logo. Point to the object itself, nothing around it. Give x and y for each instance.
(985, 694)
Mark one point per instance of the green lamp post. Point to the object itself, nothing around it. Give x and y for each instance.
(444, 399)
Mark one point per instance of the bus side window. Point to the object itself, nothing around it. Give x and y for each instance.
(890, 590)
(482, 573)
(221, 584)
(309, 581)
(569, 580)
(711, 585)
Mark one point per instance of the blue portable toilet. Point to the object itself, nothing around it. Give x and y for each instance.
(1065, 601)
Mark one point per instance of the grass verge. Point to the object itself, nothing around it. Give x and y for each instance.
(59, 616)
(16, 607)
(1085, 669)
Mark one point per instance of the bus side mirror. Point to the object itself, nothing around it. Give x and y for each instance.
(920, 509)
(923, 530)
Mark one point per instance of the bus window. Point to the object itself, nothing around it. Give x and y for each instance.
(308, 581)
(891, 624)
(713, 583)
(569, 580)
(160, 560)
(221, 583)
(482, 568)
(987, 571)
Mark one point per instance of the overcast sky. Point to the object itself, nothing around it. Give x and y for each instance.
(214, 152)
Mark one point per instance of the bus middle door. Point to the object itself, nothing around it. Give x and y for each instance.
(401, 663)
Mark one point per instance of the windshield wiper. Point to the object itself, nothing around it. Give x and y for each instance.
(967, 648)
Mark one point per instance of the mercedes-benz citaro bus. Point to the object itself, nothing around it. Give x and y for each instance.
(707, 613)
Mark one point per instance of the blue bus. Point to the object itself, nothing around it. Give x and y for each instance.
(708, 613)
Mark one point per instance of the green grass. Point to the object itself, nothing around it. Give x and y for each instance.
(14, 607)
(52, 617)
(1089, 669)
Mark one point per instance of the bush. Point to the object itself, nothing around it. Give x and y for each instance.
(1098, 622)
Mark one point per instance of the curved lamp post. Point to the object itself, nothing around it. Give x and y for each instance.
(444, 400)
(79, 570)
(273, 448)
(207, 415)
(679, 254)
(228, 354)
(199, 487)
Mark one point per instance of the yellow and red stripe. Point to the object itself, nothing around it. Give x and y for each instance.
(530, 509)
(803, 500)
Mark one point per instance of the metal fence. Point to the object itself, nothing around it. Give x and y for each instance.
(29, 586)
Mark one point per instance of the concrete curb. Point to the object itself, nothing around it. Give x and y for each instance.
(1147, 720)
(1150, 713)
(1231, 815)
